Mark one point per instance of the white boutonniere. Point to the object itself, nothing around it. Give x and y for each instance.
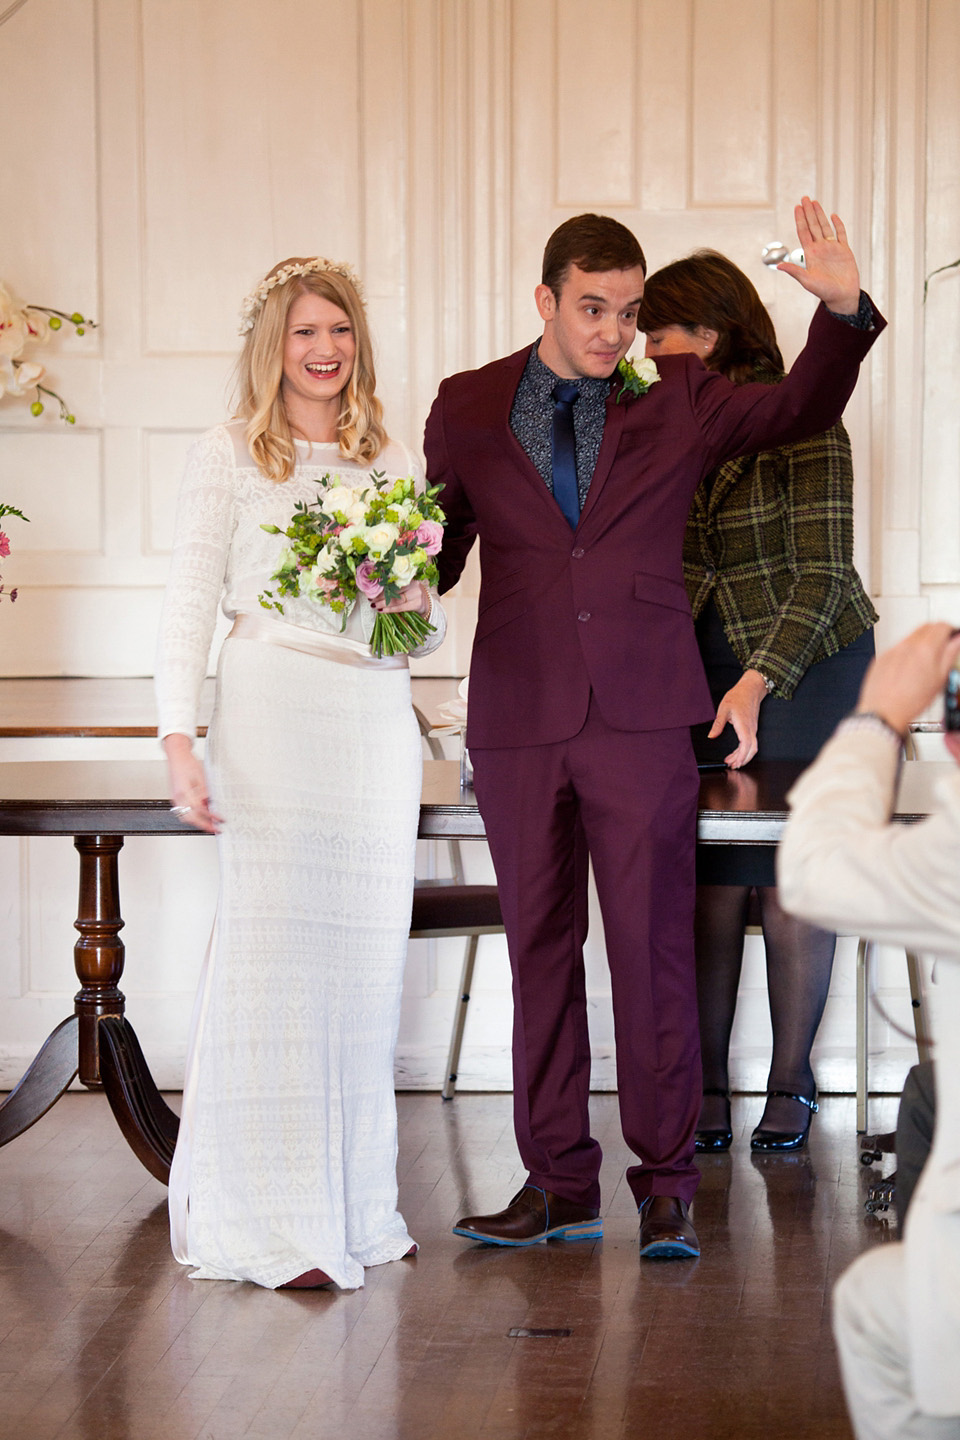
(638, 378)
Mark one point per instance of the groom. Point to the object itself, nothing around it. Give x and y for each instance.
(584, 680)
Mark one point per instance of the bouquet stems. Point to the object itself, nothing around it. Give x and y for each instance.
(399, 633)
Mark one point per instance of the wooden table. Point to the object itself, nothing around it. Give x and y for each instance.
(100, 802)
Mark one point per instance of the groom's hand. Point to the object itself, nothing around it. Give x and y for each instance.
(831, 271)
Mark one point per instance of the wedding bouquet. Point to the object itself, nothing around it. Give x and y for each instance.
(371, 539)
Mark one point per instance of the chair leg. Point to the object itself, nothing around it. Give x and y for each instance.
(863, 1037)
(460, 1017)
(914, 975)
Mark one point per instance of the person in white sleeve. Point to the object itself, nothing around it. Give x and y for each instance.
(285, 1167)
(842, 862)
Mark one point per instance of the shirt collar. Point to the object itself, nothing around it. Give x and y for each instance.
(542, 379)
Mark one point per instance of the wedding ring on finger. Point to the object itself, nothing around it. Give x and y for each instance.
(180, 810)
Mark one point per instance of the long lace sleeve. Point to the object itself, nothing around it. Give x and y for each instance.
(204, 529)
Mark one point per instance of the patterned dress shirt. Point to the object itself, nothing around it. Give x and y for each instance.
(531, 420)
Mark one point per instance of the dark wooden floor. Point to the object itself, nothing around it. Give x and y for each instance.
(103, 1336)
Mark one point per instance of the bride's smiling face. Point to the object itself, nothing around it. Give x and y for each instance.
(319, 350)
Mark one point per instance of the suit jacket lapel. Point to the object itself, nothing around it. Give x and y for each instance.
(612, 430)
(502, 397)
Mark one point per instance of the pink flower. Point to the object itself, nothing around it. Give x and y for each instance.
(430, 536)
(4, 546)
(367, 581)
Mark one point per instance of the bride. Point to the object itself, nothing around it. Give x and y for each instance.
(285, 1167)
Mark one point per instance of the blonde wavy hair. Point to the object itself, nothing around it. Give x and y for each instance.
(360, 431)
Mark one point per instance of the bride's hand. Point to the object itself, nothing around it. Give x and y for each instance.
(188, 785)
(413, 597)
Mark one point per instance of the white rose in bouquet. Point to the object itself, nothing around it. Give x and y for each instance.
(327, 562)
(379, 538)
(341, 500)
(404, 569)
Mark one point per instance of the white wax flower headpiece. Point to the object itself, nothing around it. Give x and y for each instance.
(251, 305)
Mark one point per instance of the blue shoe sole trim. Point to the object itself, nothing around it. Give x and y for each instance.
(669, 1250)
(589, 1230)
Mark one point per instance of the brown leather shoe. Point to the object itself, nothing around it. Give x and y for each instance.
(665, 1230)
(533, 1215)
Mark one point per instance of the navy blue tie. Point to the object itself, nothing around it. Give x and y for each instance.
(564, 447)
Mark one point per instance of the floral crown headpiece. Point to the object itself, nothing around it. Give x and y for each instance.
(251, 305)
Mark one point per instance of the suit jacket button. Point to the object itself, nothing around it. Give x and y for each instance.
(710, 573)
(584, 615)
(579, 553)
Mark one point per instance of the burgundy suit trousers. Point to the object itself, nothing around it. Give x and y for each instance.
(628, 799)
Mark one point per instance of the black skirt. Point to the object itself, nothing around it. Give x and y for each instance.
(794, 729)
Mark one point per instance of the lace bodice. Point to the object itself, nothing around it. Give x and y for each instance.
(221, 555)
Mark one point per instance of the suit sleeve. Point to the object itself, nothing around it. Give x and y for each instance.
(742, 419)
(461, 527)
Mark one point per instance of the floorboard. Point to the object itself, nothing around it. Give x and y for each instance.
(104, 1337)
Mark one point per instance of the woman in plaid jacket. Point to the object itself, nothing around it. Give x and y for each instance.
(785, 632)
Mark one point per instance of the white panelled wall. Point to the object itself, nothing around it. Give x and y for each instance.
(169, 152)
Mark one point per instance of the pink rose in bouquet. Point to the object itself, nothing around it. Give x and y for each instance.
(367, 581)
(430, 536)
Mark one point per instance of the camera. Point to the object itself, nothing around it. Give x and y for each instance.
(951, 700)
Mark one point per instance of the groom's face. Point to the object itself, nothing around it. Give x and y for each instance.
(592, 324)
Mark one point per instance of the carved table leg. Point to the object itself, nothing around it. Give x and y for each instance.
(99, 953)
(43, 1084)
(109, 1052)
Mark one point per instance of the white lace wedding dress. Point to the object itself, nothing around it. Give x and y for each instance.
(286, 1159)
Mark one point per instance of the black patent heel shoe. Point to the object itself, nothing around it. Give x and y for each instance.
(780, 1140)
(719, 1139)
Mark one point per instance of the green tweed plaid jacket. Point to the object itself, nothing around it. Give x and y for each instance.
(771, 541)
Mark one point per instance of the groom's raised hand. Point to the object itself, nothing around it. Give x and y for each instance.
(831, 271)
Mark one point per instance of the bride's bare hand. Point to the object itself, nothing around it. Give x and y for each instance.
(413, 597)
(189, 795)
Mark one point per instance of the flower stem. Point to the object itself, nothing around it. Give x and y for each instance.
(64, 412)
(75, 319)
(399, 633)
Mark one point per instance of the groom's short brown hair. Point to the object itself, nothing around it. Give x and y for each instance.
(593, 243)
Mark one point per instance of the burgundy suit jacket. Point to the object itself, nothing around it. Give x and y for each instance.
(604, 608)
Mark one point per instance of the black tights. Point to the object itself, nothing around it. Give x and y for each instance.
(799, 962)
